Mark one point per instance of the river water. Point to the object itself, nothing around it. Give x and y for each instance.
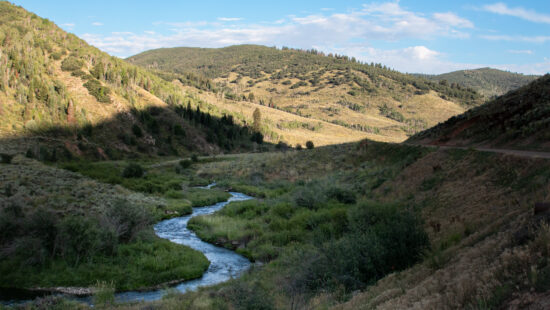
(224, 264)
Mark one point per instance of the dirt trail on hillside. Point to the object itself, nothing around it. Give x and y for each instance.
(518, 153)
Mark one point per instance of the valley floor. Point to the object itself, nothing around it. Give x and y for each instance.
(327, 223)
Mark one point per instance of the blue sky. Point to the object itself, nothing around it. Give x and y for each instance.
(409, 36)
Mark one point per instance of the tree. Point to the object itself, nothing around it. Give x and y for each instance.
(309, 145)
(257, 117)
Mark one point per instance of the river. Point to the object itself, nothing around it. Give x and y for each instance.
(224, 264)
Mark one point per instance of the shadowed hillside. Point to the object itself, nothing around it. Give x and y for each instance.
(384, 104)
(486, 81)
(519, 119)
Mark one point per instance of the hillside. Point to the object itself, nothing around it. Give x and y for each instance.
(369, 98)
(520, 119)
(486, 81)
(60, 97)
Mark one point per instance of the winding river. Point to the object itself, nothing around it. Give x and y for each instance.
(224, 264)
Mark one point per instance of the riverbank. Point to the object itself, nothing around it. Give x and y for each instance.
(64, 231)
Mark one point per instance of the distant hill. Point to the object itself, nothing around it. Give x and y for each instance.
(520, 119)
(381, 103)
(60, 97)
(488, 82)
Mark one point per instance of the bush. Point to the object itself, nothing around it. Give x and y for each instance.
(137, 131)
(100, 92)
(381, 239)
(346, 196)
(6, 158)
(310, 145)
(178, 130)
(133, 171)
(71, 63)
(194, 158)
(185, 163)
(257, 137)
(309, 197)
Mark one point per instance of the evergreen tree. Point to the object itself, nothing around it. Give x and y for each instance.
(257, 117)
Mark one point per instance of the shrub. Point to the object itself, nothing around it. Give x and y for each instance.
(342, 195)
(137, 131)
(249, 296)
(257, 137)
(125, 220)
(185, 163)
(381, 239)
(309, 197)
(133, 171)
(6, 158)
(178, 130)
(100, 92)
(194, 158)
(298, 147)
(71, 63)
(78, 237)
(310, 145)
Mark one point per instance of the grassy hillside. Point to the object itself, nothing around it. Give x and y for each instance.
(519, 119)
(450, 228)
(383, 103)
(486, 81)
(56, 87)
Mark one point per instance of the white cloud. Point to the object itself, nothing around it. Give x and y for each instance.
(68, 25)
(384, 21)
(97, 24)
(229, 19)
(533, 39)
(530, 15)
(527, 52)
(453, 20)
(421, 59)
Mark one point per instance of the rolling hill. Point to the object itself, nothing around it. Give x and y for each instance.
(60, 97)
(520, 119)
(486, 81)
(382, 103)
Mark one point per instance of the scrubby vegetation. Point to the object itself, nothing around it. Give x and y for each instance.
(486, 81)
(60, 238)
(331, 88)
(518, 119)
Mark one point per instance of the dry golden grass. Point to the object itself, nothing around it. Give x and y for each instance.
(470, 204)
(327, 134)
(322, 104)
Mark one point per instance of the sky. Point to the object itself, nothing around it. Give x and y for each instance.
(410, 36)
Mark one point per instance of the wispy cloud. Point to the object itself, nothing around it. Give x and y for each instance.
(453, 20)
(97, 24)
(526, 52)
(68, 25)
(229, 19)
(344, 33)
(530, 15)
(529, 39)
(381, 21)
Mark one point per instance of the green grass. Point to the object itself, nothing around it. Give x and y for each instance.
(111, 172)
(136, 265)
(205, 197)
